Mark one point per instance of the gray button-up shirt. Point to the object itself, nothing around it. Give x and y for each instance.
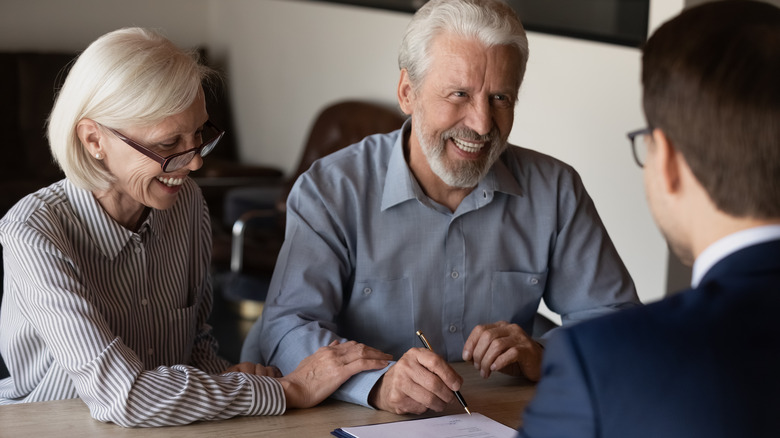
(369, 257)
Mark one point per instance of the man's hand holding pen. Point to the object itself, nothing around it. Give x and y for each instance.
(419, 381)
(458, 395)
(423, 380)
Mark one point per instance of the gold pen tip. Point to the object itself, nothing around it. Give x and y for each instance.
(467, 410)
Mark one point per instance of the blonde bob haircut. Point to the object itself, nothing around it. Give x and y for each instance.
(128, 77)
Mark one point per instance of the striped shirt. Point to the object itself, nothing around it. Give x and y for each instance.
(115, 317)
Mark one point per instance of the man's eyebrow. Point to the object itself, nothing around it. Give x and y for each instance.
(455, 85)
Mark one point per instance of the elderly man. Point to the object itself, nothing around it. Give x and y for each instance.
(439, 226)
(702, 363)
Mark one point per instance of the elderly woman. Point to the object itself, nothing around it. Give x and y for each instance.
(106, 272)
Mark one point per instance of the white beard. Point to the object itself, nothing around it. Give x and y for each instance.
(457, 173)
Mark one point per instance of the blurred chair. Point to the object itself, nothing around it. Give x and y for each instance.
(258, 212)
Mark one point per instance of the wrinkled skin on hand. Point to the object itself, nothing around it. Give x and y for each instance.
(419, 381)
(503, 347)
(320, 374)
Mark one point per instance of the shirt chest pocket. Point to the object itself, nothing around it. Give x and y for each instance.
(378, 311)
(515, 296)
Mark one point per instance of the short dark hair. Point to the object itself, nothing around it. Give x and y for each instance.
(711, 79)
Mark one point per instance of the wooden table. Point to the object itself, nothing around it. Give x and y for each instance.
(500, 397)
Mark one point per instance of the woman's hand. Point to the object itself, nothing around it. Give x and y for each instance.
(329, 367)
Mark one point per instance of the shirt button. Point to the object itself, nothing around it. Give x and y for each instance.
(144, 302)
(137, 250)
(367, 291)
(454, 274)
(150, 351)
(452, 328)
(534, 280)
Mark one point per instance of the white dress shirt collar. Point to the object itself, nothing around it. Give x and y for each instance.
(729, 245)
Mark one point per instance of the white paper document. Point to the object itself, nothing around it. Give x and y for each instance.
(450, 426)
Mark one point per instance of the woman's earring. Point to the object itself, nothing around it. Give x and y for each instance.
(99, 156)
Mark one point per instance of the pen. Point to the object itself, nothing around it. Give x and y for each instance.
(457, 393)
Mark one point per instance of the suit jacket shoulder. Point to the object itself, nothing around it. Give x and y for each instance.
(700, 363)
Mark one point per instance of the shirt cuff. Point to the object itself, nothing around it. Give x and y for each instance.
(357, 389)
(267, 396)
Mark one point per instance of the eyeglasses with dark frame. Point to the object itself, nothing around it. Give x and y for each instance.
(639, 155)
(176, 161)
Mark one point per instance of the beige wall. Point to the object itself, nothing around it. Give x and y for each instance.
(286, 59)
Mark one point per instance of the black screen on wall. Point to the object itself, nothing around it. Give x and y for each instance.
(621, 22)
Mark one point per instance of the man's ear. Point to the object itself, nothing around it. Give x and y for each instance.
(666, 161)
(405, 93)
(90, 134)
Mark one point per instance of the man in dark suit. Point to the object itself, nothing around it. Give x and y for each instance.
(704, 362)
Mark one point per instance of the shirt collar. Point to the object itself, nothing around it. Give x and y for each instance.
(501, 179)
(105, 233)
(729, 245)
(400, 184)
(154, 223)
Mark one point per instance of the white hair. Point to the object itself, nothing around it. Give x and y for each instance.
(491, 22)
(130, 76)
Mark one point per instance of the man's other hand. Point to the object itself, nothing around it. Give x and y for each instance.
(503, 347)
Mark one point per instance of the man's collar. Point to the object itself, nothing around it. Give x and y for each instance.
(400, 185)
(728, 245)
(500, 179)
